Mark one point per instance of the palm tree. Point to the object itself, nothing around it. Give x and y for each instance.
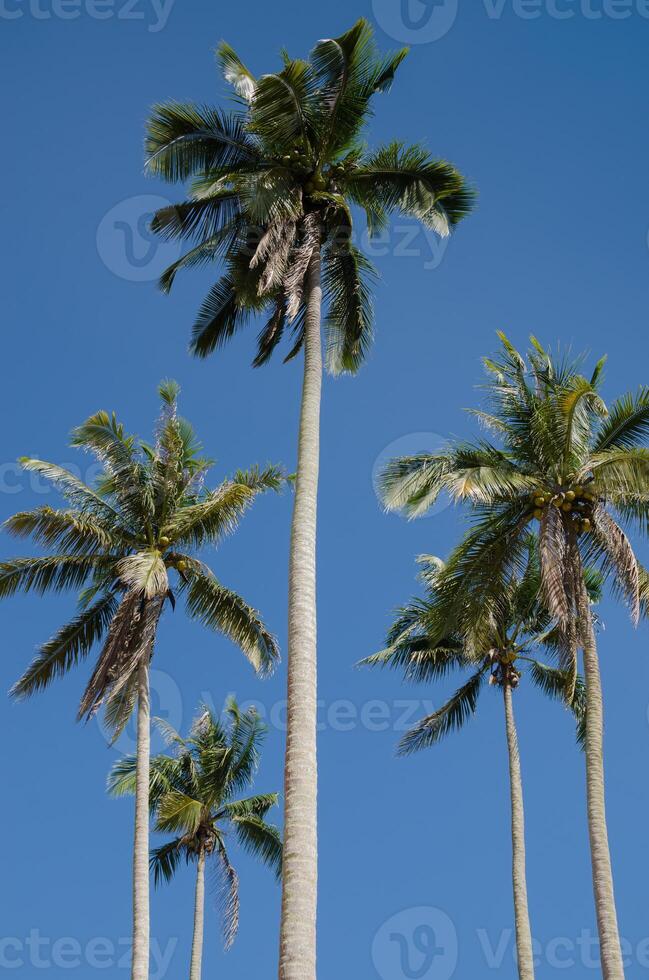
(122, 541)
(564, 459)
(193, 795)
(421, 644)
(273, 184)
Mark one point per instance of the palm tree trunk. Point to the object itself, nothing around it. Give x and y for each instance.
(140, 961)
(299, 876)
(199, 914)
(609, 936)
(524, 952)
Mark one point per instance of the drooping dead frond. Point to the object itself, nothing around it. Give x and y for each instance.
(552, 541)
(273, 250)
(129, 643)
(299, 263)
(145, 572)
(227, 896)
(620, 556)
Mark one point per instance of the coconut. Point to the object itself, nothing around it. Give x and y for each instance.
(181, 565)
(567, 507)
(164, 541)
(538, 513)
(539, 501)
(570, 495)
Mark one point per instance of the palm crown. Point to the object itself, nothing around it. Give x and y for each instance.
(564, 459)
(275, 181)
(129, 543)
(193, 795)
(424, 647)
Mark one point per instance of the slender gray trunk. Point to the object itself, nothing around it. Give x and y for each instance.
(609, 936)
(140, 961)
(297, 960)
(524, 951)
(199, 915)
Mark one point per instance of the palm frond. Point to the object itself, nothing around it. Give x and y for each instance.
(260, 839)
(223, 610)
(450, 717)
(71, 643)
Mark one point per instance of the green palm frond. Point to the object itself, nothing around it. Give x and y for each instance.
(183, 140)
(447, 719)
(257, 806)
(52, 572)
(260, 839)
(72, 642)
(178, 812)
(165, 859)
(223, 610)
(627, 424)
(217, 514)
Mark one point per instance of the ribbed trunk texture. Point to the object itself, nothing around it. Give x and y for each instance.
(609, 936)
(524, 950)
(199, 915)
(140, 961)
(297, 958)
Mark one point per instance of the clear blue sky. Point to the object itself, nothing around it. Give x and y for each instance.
(544, 106)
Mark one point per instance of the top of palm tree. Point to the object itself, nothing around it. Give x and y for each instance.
(425, 645)
(129, 542)
(194, 795)
(275, 179)
(557, 454)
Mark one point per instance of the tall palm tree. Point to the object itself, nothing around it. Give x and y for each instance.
(130, 542)
(273, 186)
(193, 795)
(422, 644)
(566, 460)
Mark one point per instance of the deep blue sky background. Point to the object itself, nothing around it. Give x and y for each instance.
(549, 117)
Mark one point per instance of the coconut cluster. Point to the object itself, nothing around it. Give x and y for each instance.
(577, 501)
(314, 181)
(503, 670)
